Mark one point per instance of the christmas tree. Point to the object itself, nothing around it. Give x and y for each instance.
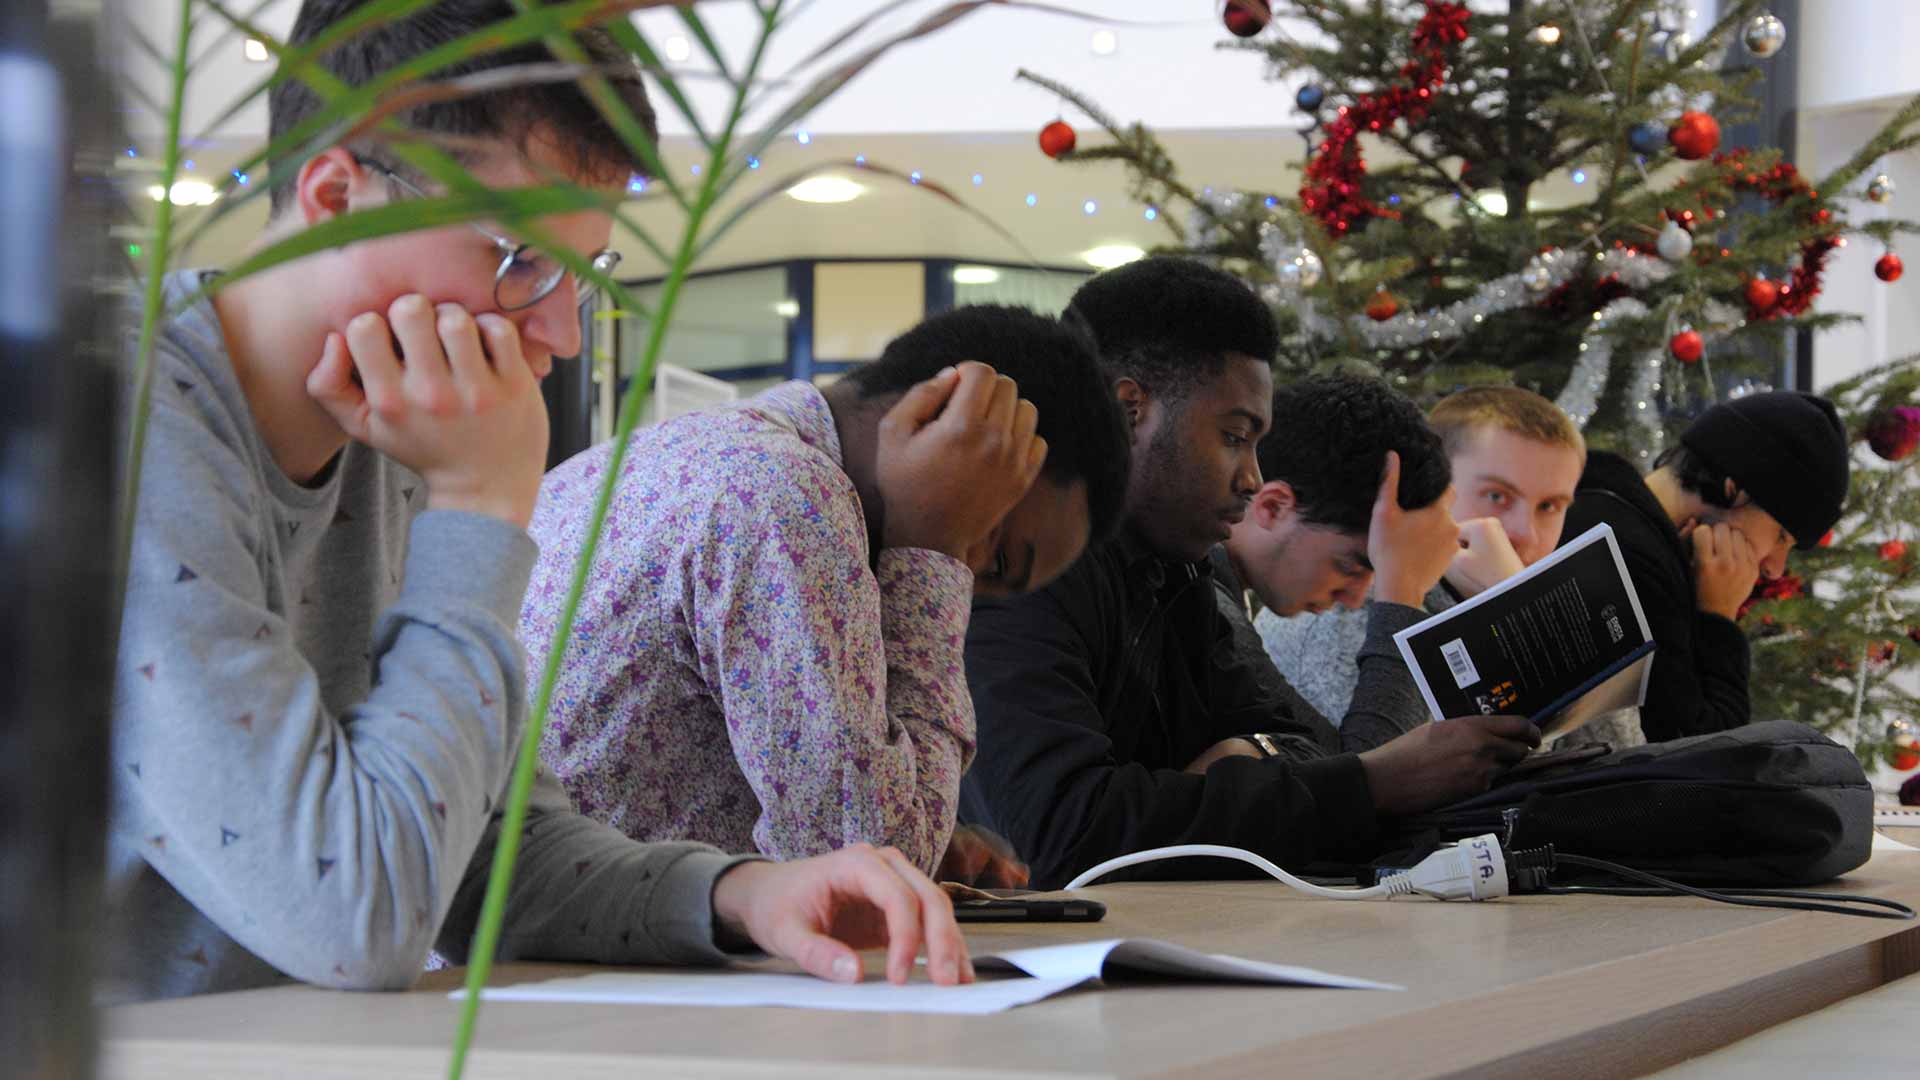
(1542, 197)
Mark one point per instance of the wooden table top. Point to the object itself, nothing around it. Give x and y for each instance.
(1526, 986)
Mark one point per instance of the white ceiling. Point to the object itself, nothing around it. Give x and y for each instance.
(1167, 67)
(945, 105)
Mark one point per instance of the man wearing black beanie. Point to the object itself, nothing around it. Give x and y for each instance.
(1749, 478)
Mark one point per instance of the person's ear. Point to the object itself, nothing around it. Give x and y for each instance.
(1272, 505)
(328, 184)
(1133, 399)
(1736, 498)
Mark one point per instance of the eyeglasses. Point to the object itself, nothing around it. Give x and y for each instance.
(526, 274)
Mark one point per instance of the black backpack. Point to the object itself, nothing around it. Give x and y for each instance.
(1768, 804)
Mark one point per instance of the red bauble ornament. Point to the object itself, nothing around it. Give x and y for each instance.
(1694, 135)
(1889, 267)
(1245, 18)
(1382, 307)
(1893, 433)
(1893, 550)
(1906, 759)
(1686, 346)
(1056, 138)
(1762, 295)
(1827, 540)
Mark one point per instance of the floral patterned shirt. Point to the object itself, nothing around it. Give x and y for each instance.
(741, 672)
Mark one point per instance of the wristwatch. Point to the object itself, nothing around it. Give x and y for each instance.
(1264, 743)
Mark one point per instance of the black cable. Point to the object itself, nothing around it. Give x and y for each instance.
(1787, 899)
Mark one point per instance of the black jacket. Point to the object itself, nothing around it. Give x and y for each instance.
(1092, 694)
(1700, 661)
(1385, 703)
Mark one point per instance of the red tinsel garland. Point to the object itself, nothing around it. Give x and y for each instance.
(1778, 184)
(1331, 191)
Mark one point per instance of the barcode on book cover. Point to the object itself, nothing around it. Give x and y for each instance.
(1461, 664)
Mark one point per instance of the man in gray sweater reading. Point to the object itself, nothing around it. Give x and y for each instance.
(319, 692)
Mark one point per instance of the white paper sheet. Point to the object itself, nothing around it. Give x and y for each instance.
(1052, 969)
(746, 988)
(1883, 842)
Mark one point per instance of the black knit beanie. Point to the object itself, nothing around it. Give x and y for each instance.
(1785, 448)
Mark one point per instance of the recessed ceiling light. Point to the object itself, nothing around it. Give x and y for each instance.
(789, 309)
(975, 275)
(826, 189)
(1104, 42)
(1493, 202)
(186, 193)
(1108, 256)
(255, 50)
(677, 49)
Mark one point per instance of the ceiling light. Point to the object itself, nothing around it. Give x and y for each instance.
(1104, 42)
(1493, 202)
(826, 189)
(789, 309)
(677, 49)
(255, 50)
(1108, 256)
(975, 275)
(186, 193)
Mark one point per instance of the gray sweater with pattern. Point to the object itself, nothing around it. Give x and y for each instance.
(317, 702)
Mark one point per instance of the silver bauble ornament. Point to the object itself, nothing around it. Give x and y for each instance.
(1310, 268)
(1675, 243)
(1671, 44)
(1536, 278)
(1764, 35)
(1880, 189)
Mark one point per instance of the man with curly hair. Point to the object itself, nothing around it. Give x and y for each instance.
(1317, 536)
(1515, 459)
(1116, 709)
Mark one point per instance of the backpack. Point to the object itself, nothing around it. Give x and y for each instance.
(1768, 804)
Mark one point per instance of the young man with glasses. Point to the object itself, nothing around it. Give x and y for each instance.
(319, 693)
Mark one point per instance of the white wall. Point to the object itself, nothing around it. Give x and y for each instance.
(1857, 50)
(1856, 69)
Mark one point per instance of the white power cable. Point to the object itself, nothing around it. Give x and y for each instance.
(1473, 869)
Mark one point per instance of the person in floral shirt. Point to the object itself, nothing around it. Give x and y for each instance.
(767, 655)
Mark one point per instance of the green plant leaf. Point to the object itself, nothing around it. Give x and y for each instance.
(158, 263)
(698, 27)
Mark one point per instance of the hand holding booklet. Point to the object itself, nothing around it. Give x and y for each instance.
(1561, 642)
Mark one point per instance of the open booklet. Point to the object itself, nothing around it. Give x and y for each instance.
(1561, 642)
(1049, 970)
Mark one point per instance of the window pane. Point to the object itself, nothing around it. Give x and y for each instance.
(859, 307)
(720, 322)
(1045, 291)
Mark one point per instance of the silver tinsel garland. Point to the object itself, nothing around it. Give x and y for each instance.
(1589, 378)
(1543, 273)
